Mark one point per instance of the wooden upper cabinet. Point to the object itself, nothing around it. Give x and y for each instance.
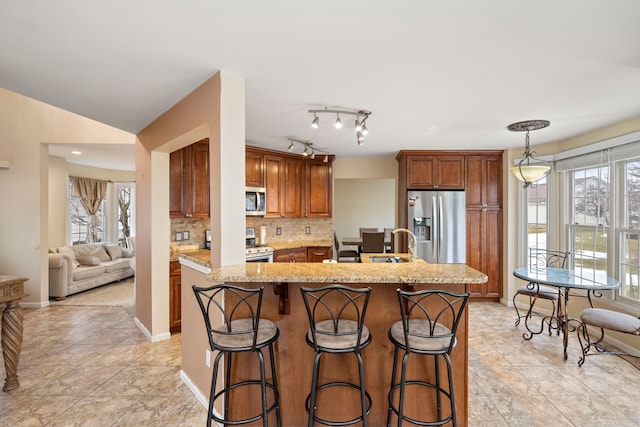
(273, 178)
(484, 181)
(292, 188)
(254, 168)
(189, 181)
(296, 186)
(441, 172)
(319, 186)
(176, 184)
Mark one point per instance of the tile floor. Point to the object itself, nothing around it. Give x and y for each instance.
(88, 365)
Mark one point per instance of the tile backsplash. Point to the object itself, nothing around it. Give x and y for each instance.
(290, 229)
(293, 228)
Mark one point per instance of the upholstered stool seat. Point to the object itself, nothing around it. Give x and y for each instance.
(604, 319)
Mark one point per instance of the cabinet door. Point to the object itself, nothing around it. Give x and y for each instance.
(290, 255)
(318, 254)
(273, 179)
(318, 195)
(175, 296)
(292, 188)
(198, 180)
(254, 176)
(450, 173)
(421, 172)
(493, 250)
(475, 249)
(176, 184)
(483, 185)
(484, 250)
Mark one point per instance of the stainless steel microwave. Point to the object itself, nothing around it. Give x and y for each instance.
(255, 201)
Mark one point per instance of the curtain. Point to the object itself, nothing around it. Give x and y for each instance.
(91, 193)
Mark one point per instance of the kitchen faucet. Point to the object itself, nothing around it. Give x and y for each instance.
(412, 242)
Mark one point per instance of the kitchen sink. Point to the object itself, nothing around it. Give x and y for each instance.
(388, 259)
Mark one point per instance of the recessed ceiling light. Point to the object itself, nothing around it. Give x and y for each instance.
(76, 152)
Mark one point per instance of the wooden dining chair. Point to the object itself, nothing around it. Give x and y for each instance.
(373, 242)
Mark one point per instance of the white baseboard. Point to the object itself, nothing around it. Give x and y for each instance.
(41, 304)
(161, 337)
(197, 393)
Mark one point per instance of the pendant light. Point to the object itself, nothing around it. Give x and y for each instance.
(530, 169)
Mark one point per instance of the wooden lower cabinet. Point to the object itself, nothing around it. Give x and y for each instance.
(318, 254)
(484, 250)
(290, 255)
(175, 299)
(303, 254)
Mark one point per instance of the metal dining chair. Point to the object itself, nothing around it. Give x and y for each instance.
(541, 258)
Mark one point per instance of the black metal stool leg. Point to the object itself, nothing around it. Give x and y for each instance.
(275, 386)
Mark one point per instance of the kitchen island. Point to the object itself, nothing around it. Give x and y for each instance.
(282, 303)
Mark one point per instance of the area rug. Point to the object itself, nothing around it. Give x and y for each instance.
(114, 294)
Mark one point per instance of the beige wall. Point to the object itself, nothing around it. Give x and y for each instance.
(26, 126)
(215, 110)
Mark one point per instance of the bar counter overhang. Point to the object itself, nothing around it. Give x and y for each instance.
(282, 303)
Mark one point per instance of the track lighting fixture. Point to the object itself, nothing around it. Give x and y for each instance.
(309, 149)
(529, 169)
(359, 124)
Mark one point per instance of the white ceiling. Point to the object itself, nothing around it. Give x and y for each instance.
(435, 74)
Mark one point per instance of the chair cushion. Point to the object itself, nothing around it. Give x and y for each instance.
(87, 272)
(544, 292)
(436, 343)
(116, 265)
(612, 320)
(267, 330)
(338, 342)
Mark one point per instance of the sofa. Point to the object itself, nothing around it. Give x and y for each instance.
(76, 268)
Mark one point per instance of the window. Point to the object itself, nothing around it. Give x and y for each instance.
(124, 196)
(603, 191)
(629, 231)
(589, 225)
(537, 215)
(84, 228)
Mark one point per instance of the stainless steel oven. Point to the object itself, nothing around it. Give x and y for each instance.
(265, 255)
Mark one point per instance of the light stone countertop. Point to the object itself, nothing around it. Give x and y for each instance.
(305, 272)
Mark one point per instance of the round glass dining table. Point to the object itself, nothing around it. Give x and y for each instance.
(565, 280)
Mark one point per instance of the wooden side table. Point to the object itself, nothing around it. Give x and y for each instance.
(11, 292)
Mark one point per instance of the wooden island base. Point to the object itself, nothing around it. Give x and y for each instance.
(294, 360)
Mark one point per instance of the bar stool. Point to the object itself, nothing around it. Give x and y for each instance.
(336, 318)
(242, 330)
(428, 327)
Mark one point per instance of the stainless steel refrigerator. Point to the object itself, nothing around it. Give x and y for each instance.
(438, 219)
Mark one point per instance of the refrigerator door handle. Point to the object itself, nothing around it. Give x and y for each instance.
(435, 226)
(440, 226)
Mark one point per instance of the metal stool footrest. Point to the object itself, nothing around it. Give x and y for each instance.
(396, 411)
(338, 423)
(245, 384)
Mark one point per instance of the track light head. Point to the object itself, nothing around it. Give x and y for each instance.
(365, 131)
(326, 158)
(315, 122)
(358, 125)
(290, 147)
(338, 123)
(305, 152)
(313, 154)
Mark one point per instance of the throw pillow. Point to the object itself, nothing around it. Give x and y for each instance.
(88, 260)
(128, 253)
(101, 254)
(68, 251)
(115, 251)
